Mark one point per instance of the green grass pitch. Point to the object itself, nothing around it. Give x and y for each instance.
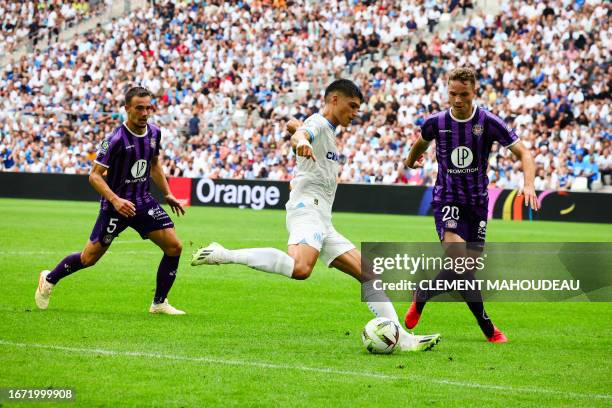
(254, 339)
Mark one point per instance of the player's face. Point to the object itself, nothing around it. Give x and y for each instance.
(460, 96)
(346, 108)
(139, 110)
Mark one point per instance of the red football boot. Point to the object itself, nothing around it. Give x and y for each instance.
(497, 337)
(412, 316)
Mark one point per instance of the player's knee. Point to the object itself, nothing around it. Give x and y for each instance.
(301, 271)
(174, 249)
(89, 259)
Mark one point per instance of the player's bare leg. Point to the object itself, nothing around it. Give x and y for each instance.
(172, 247)
(378, 302)
(304, 257)
(70, 264)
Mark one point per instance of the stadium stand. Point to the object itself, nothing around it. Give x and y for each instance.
(227, 77)
(37, 21)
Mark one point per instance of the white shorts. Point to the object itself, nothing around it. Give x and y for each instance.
(308, 225)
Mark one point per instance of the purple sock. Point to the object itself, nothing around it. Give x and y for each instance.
(68, 265)
(165, 277)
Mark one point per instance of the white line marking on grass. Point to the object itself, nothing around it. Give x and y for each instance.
(322, 370)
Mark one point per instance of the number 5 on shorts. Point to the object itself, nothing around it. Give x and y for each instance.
(112, 225)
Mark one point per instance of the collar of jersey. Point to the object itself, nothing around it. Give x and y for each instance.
(136, 134)
(333, 128)
(450, 111)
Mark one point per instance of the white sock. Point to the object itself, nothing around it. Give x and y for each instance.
(269, 260)
(381, 306)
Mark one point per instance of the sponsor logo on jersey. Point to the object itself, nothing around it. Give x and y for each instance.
(332, 156)
(139, 168)
(138, 180)
(462, 157)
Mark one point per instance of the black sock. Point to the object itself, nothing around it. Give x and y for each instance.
(423, 296)
(473, 298)
(166, 273)
(68, 265)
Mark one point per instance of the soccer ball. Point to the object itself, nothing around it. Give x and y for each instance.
(380, 336)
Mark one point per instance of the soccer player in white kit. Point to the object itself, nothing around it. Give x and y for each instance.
(309, 218)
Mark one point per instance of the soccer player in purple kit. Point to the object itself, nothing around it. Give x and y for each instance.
(464, 134)
(130, 156)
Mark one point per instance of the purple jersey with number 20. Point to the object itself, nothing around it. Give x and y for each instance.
(462, 151)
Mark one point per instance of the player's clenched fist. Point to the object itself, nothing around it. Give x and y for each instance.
(293, 125)
(304, 149)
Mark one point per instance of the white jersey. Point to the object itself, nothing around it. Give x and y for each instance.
(317, 179)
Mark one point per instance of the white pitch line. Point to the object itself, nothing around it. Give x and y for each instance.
(322, 370)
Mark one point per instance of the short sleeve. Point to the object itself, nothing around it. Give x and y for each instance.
(502, 133)
(311, 127)
(105, 151)
(428, 130)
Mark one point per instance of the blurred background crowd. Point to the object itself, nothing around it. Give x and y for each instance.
(228, 75)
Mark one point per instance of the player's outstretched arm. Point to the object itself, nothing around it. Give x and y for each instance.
(520, 151)
(157, 174)
(415, 158)
(123, 207)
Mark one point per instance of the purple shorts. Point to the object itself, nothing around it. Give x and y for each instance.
(110, 223)
(469, 222)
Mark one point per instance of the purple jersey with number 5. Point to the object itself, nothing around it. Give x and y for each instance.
(462, 151)
(127, 156)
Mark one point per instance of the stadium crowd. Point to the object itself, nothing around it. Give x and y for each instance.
(34, 20)
(227, 77)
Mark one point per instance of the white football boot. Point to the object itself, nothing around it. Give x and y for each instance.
(419, 343)
(165, 308)
(43, 291)
(214, 254)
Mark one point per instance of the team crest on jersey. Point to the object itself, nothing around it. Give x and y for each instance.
(153, 143)
(104, 147)
(107, 239)
(477, 130)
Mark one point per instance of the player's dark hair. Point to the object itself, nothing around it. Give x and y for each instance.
(463, 75)
(138, 91)
(345, 87)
